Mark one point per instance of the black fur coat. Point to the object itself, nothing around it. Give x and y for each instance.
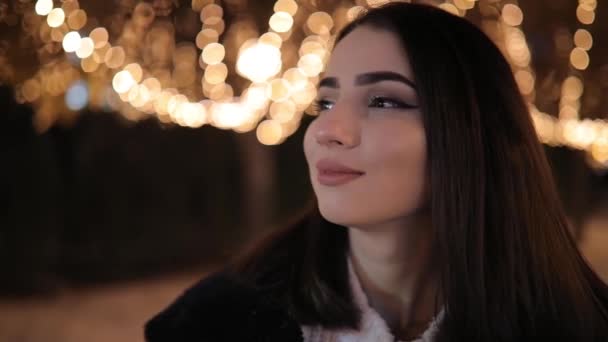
(220, 308)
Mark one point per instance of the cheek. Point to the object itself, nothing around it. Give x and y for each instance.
(398, 162)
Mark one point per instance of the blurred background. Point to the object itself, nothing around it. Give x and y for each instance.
(146, 142)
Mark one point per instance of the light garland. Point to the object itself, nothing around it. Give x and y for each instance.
(273, 103)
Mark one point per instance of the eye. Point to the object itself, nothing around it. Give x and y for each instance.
(387, 102)
(321, 105)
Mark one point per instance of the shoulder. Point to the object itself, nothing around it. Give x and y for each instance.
(222, 308)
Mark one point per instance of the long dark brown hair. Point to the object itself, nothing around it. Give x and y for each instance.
(510, 269)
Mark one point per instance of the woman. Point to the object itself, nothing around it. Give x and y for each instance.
(439, 219)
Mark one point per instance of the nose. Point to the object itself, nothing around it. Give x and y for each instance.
(335, 128)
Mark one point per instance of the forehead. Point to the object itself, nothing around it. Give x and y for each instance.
(368, 49)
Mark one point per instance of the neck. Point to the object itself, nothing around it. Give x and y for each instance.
(394, 263)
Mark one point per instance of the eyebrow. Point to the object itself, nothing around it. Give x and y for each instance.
(370, 78)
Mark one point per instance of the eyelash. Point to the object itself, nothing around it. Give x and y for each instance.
(318, 104)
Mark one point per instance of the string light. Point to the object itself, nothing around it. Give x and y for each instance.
(284, 97)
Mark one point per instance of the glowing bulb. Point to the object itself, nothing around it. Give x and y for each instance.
(77, 19)
(311, 65)
(44, 7)
(135, 70)
(278, 90)
(71, 41)
(583, 39)
(205, 37)
(449, 8)
(86, 47)
(320, 23)
(512, 15)
(269, 132)
(213, 53)
(271, 38)
(216, 73)
(56, 17)
(355, 11)
(123, 82)
(259, 62)
(281, 22)
(283, 111)
(289, 6)
(584, 15)
(100, 37)
(579, 58)
(114, 57)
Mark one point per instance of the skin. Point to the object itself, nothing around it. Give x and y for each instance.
(376, 127)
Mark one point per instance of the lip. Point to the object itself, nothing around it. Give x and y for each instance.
(333, 173)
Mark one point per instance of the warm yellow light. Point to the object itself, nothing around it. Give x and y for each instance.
(271, 38)
(215, 23)
(254, 97)
(100, 53)
(31, 90)
(354, 12)
(313, 47)
(139, 95)
(288, 6)
(89, 64)
(153, 85)
(77, 19)
(194, 114)
(282, 111)
(589, 5)
(86, 48)
(579, 58)
(304, 96)
(449, 8)
(213, 53)
(311, 65)
(464, 4)
(211, 10)
(135, 70)
(115, 57)
(100, 37)
(281, 22)
(123, 82)
(599, 150)
(296, 78)
(512, 15)
(320, 23)
(71, 41)
(221, 92)
(161, 102)
(198, 5)
(228, 114)
(44, 7)
(174, 102)
(525, 81)
(206, 36)
(269, 132)
(375, 3)
(572, 88)
(56, 17)
(277, 90)
(216, 73)
(584, 15)
(583, 39)
(568, 112)
(259, 62)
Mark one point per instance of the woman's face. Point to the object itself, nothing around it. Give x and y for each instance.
(366, 151)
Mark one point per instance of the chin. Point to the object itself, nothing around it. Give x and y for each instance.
(343, 216)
